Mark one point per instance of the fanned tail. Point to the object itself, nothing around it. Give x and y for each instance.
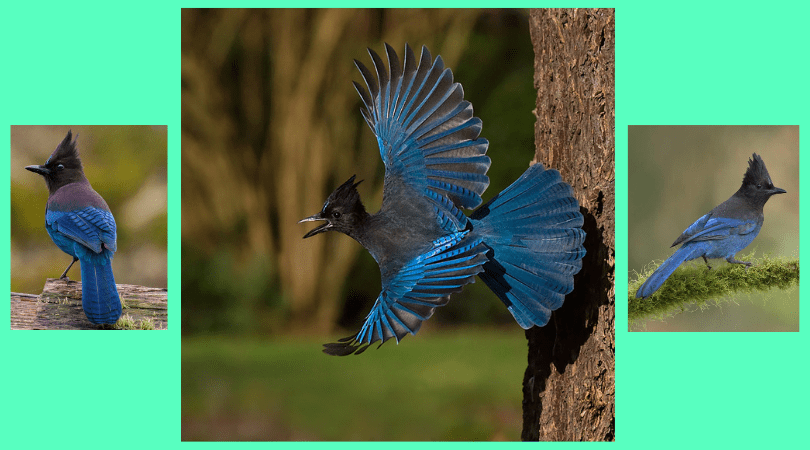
(100, 299)
(533, 230)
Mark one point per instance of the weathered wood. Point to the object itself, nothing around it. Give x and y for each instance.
(59, 307)
(569, 382)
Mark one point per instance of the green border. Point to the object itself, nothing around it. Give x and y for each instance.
(108, 65)
(697, 63)
(706, 64)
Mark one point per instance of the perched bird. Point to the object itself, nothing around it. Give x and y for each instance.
(725, 230)
(525, 243)
(81, 224)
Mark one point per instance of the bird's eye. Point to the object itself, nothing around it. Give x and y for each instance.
(336, 215)
(759, 186)
(60, 167)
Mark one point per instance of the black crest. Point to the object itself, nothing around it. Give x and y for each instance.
(756, 172)
(66, 153)
(345, 194)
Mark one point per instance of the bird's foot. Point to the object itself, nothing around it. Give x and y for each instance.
(707, 262)
(65, 278)
(64, 274)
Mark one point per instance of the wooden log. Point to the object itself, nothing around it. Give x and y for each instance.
(59, 307)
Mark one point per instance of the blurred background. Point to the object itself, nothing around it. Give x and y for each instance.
(271, 125)
(126, 165)
(679, 173)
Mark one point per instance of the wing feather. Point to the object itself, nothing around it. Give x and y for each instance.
(416, 291)
(427, 134)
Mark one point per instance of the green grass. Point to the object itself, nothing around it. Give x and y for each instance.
(695, 283)
(454, 385)
(126, 322)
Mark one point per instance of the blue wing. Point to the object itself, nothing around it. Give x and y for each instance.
(416, 291)
(711, 228)
(426, 132)
(91, 227)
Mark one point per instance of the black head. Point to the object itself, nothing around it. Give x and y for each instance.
(757, 184)
(342, 211)
(64, 165)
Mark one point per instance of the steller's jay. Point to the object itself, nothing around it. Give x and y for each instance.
(525, 243)
(725, 230)
(81, 224)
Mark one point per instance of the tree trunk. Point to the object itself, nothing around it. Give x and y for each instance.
(568, 386)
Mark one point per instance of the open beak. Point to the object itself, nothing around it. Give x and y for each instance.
(319, 229)
(42, 170)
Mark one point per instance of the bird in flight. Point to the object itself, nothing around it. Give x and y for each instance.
(525, 243)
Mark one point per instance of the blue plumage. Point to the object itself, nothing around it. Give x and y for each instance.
(525, 244)
(419, 287)
(80, 223)
(725, 230)
(534, 230)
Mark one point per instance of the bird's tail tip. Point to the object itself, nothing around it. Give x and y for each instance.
(100, 299)
(534, 231)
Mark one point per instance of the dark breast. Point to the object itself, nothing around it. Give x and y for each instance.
(395, 236)
(73, 196)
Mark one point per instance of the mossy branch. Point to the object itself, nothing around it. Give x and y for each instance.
(696, 283)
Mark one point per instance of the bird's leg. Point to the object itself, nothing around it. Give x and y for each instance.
(64, 274)
(731, 260)
(707, 262)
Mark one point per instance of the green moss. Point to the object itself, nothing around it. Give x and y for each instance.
(126, 322)
(695, 283)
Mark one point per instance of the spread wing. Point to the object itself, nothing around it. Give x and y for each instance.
(426, 132)
(90, 226)
(709, 228)
(416, 291)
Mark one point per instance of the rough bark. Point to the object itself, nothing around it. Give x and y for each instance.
(569, 382)
(59, 307)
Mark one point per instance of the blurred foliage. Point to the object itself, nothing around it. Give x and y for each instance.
(678, 173)
(435, 387)
(271, 125)
(127, 166)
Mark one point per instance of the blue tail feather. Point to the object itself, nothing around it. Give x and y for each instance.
(685, 253)
(533, 230)
(553, 241)
(100, 299)
(533, 279)
(517, 297)
(526, 215)
(533, 180)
